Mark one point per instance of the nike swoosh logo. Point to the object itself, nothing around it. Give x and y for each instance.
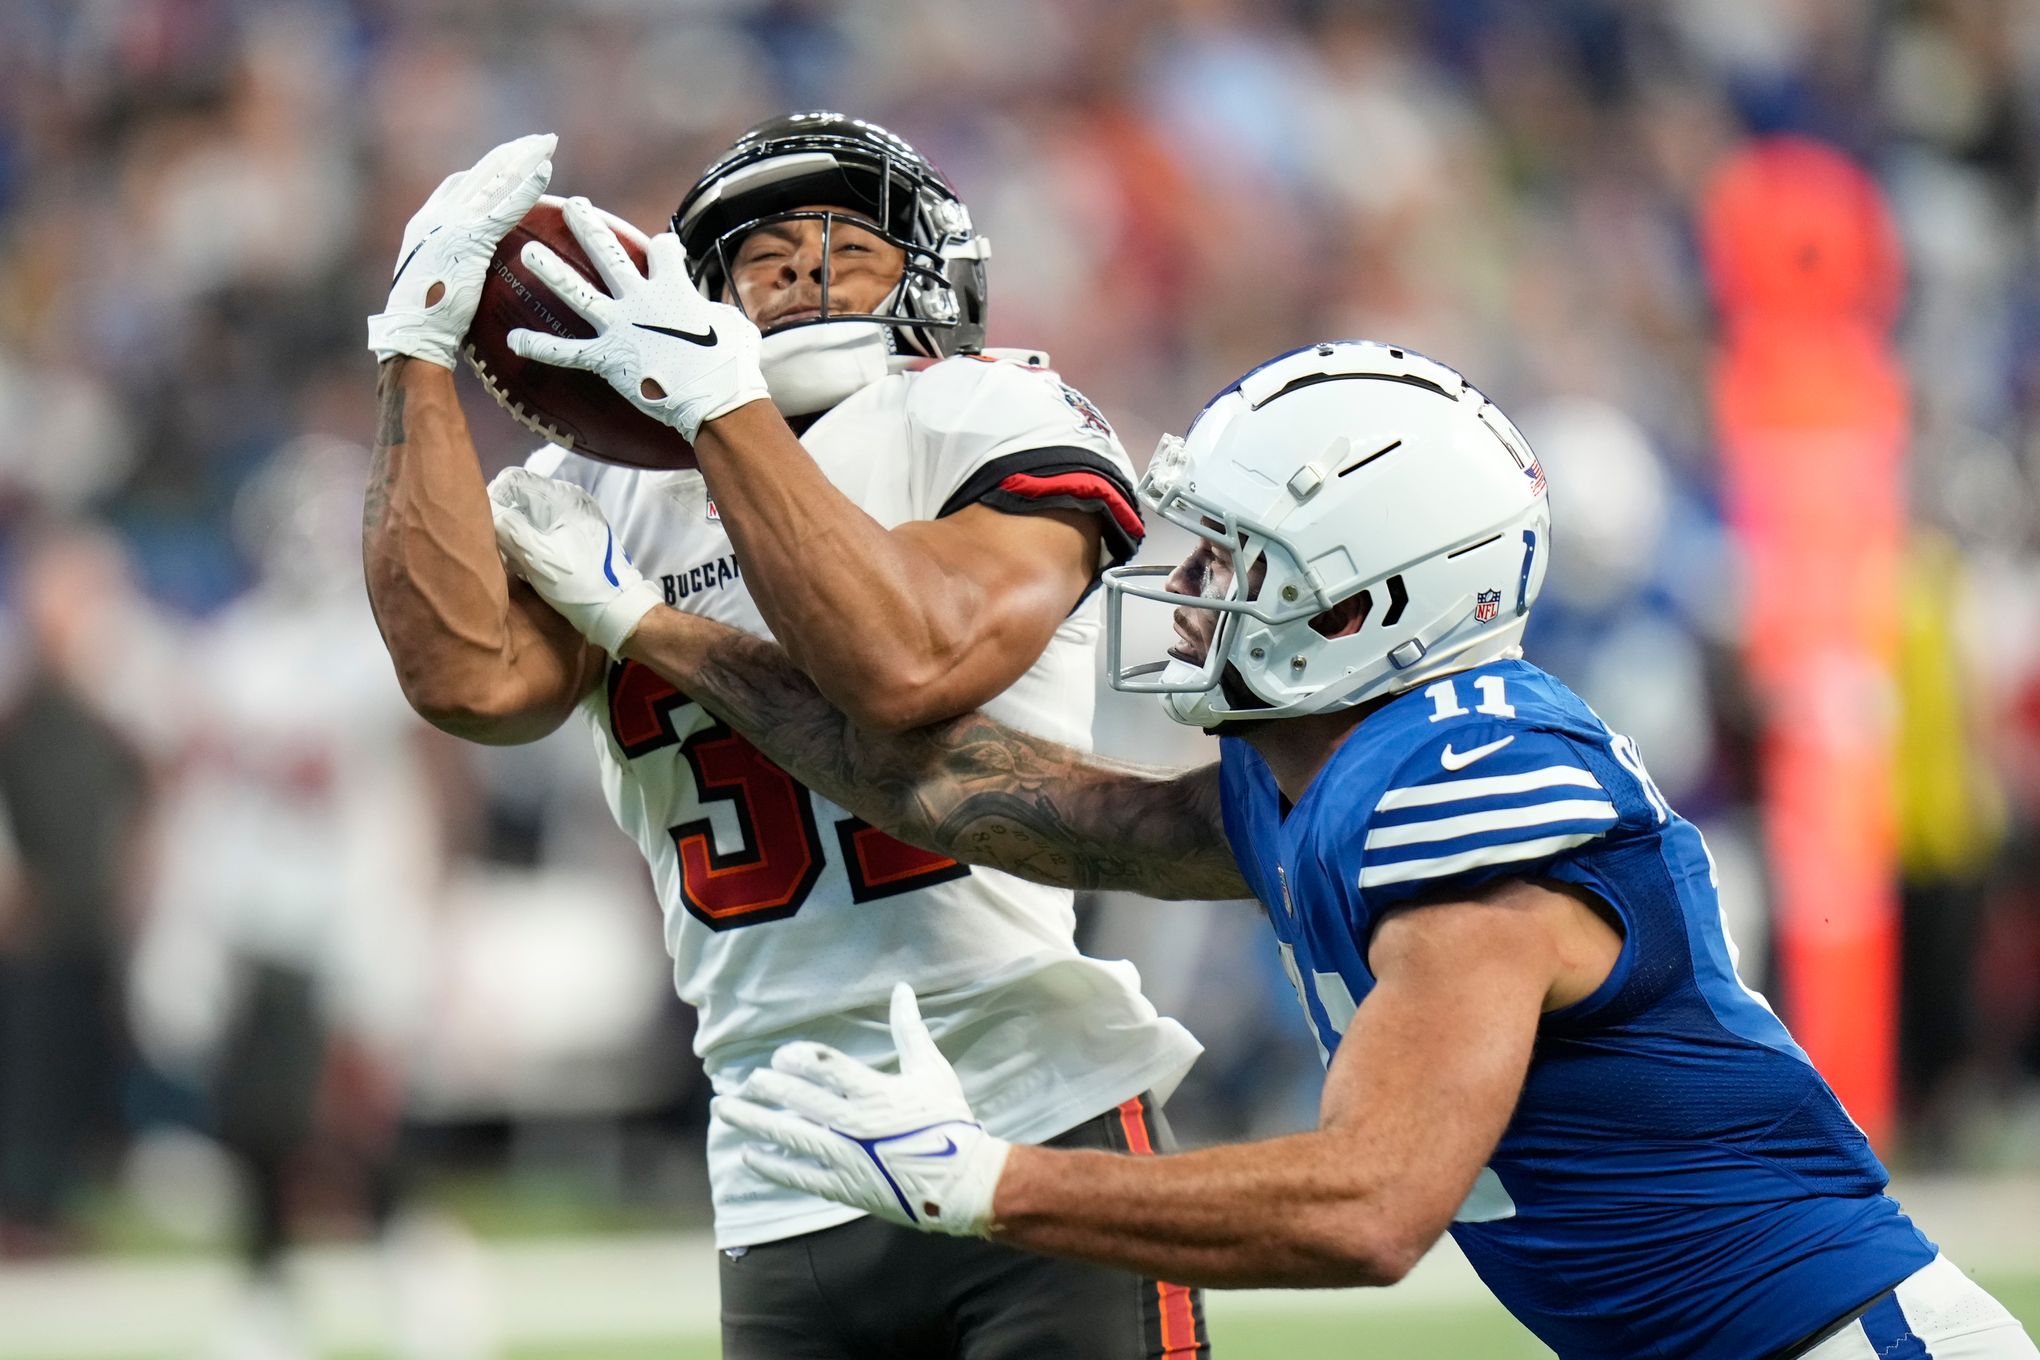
(706, 337)
(609, 543)
(412, 256)
(1459, 760)
(898, 1145)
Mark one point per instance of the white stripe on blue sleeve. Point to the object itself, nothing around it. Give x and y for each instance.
(1502, 819)
(1374, 875)
(1459, 790)
(1526, 803)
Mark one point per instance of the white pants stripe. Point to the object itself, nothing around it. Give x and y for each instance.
(1940, 1314)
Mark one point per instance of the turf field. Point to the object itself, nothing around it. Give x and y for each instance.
(635, 1295)
(1249, 1330)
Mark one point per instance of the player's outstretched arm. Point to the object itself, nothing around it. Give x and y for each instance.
(1420, 1092)
(1416, 1099)
(968, 787)
(478, 655)
(968, 601)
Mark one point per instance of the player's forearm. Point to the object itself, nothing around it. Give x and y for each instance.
(968, 787)
(1416, 1100)
(435, 578)
(1296, 1212)
(865, 611)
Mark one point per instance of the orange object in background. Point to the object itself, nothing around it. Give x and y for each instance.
(1811, 410)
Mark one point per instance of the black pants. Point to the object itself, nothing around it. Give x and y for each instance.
(871, 1290)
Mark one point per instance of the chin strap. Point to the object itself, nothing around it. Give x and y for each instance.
(811, 368)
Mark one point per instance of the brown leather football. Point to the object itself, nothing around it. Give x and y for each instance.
(564, 406)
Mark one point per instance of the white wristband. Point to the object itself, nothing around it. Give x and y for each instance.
(610, 625)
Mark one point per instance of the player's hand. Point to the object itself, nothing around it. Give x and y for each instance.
(672, 353)
(554, 536)
(446, 250)
(904, 1147)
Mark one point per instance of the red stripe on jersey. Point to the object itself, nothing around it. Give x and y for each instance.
(1134, 1122)
(1179, 1323)
(1088, 486)
(1178, 1317)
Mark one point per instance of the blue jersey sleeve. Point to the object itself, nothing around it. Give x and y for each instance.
(1485, 800)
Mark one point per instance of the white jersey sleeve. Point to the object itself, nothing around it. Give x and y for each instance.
(550, 460)
(1013, 435)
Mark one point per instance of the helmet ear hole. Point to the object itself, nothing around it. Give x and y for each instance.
(1398, 600)
(1346, 617)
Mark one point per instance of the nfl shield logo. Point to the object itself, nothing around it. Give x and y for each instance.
(1486, 604)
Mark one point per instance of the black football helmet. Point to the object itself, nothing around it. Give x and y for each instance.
(797, 159)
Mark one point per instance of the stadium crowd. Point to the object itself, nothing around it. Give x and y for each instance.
(199, 200)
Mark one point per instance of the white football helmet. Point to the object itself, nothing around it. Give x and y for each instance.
(1347, 469)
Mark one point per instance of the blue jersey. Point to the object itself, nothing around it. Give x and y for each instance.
(1677, 1179)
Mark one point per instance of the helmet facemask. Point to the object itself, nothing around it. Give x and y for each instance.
(1268, 603)
(922, 299)
(783, 168)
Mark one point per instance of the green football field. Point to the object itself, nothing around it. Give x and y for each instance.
(1470, 1331)
(527, 1286)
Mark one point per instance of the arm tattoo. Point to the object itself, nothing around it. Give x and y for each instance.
(389, 432)
(968, 787)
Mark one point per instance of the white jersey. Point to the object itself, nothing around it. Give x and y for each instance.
(787, 917)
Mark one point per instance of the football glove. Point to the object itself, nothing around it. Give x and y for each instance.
(554, 536)
(672, 353)
(446, 250)
(903, 1147)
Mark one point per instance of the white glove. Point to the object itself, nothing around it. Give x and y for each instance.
(672, 353)
(553, 535)
(902, 1147)
(445, 256)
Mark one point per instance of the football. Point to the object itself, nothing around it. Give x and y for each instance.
(563, 406)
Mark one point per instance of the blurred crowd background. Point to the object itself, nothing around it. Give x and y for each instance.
(227, 850)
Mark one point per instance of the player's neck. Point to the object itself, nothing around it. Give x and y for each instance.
(1297, 748)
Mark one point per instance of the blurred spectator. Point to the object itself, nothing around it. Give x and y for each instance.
(1950, 827)
(72, 792)
(281, 966)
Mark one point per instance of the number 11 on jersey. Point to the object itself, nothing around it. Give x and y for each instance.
(1494, 698)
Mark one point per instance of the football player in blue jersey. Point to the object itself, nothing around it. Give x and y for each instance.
(1509, 947)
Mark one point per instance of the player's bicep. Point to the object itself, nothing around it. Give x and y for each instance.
(1037, 565)
(1001, 584)
(1430, 1069)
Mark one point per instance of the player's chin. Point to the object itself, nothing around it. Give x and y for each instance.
(1232, 687)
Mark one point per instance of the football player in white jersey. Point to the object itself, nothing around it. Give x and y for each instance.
(932, 535)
